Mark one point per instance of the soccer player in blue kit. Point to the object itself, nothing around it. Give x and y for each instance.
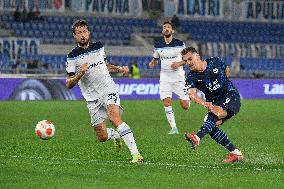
(222, 99)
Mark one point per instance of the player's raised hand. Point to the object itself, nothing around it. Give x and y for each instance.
(84, 67)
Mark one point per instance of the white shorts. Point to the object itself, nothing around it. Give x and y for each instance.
(98, 108)
(168, 88)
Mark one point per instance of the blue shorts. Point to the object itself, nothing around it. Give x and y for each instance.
(231, 103)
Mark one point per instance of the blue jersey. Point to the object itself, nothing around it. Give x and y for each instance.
(213, 81)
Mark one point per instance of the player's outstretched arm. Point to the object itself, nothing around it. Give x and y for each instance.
(194, 97)
(71, 81)
(153, 63)
(175, 65)
(118, 69)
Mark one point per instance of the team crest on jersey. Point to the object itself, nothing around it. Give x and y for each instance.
(215, 70)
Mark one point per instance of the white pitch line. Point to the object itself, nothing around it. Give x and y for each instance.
(145, 163)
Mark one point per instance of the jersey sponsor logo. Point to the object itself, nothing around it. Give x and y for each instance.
(95, 64)
(274, 89)
(213, 86)
(168, 57)
(139, 89)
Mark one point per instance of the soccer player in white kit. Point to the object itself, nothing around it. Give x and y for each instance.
(172, 78)
(86, 66)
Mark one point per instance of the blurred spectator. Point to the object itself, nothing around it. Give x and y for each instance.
(24, 15)
(156, 5)
(155, 9)
(17, 14)
(145, 4)
(16, 64)
(38, 14)
(134, 70)
(175, 22)
(46, 67)
(32, 66)
(235, 66)
(257, 75)
(32, 15)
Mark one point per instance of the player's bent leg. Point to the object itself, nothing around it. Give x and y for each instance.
(207, 126)
(219, 111)
(104, 134)
(221, 138)
(125, 132)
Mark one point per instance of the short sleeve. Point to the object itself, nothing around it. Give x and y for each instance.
(156, 54)
(70, 65)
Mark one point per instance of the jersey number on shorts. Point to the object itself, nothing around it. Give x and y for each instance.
(112, 96)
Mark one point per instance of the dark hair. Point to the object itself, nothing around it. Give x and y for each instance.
(78, 23)
(188, 49)
(168, 22)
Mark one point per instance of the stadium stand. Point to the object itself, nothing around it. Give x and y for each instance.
(57, 29)
(118, 31)
(246, 32)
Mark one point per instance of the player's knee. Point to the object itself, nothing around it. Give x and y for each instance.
(167, 102)
(185, 104)
(219, 112)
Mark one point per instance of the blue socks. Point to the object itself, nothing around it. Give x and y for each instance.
(208, 125)
(216, 134)
(221, 138)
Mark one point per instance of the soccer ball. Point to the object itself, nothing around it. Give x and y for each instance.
(45, 129)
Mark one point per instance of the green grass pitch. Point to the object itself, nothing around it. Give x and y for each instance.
(75, 159)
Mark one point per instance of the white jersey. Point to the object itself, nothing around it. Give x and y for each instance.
(97, 81)
(169, 53)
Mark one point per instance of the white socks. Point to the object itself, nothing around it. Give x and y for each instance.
(237, 152)
(128, 138)
(170, 116)
(112, 134)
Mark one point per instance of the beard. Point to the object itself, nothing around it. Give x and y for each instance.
(168, 35)
(83, 43)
